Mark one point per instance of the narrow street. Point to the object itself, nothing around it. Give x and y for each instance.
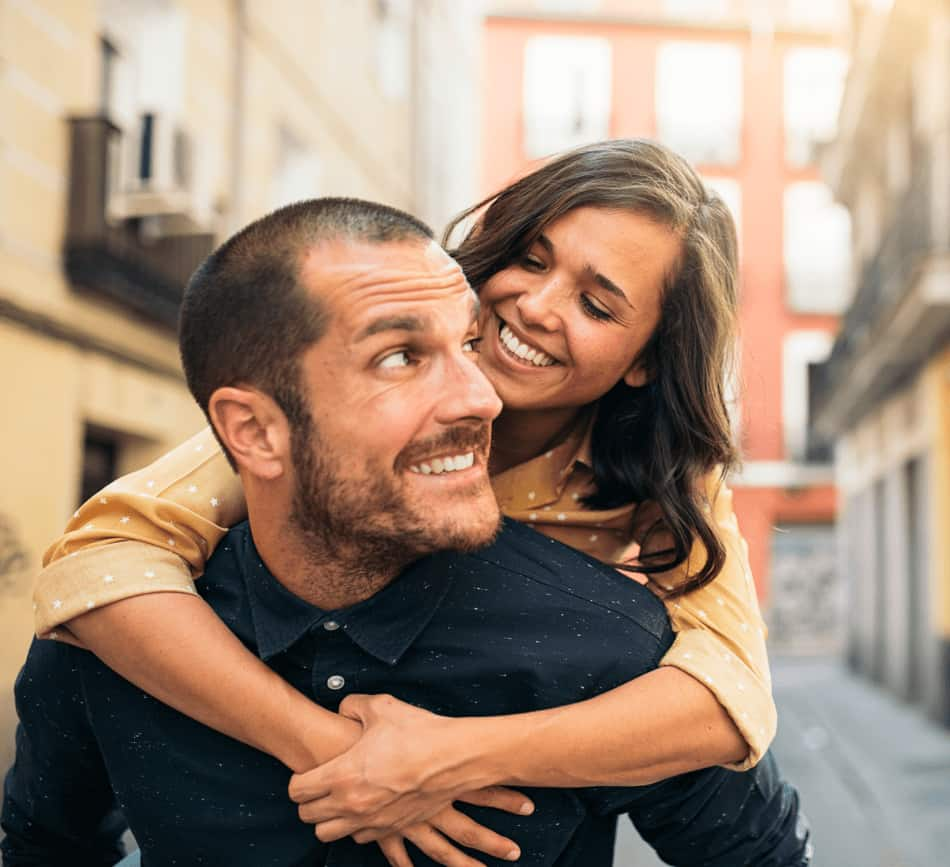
(874, 774)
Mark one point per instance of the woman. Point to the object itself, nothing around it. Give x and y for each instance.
(607, 280)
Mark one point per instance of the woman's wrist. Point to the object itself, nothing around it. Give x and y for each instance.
(305, 735)
(482, 752)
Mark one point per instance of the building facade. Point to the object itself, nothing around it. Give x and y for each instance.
(883, 397)
(136, 133)
(746, 92)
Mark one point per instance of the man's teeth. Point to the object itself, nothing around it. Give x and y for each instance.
(523, 350)
(445, 465)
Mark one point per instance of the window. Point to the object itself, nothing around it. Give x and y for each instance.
(392, 47)
(817, 241)
(813, 85)
(567, 6)
(730, 191)
(822, 16)
(100, 461)
(800, 349)
(699, 100)
(567, 92)
(705, 10)
(297, 173)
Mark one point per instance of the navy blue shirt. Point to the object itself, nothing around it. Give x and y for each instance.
(522, 625)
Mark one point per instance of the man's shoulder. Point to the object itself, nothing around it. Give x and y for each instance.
(566, 572)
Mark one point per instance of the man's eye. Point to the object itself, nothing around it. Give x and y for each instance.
(395, 359)
(473, 344)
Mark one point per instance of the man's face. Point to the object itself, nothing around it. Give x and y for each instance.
(396, 460)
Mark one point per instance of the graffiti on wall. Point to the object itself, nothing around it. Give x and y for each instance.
(13, 555)
(805, 606)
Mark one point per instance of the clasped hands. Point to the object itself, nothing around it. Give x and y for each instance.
(399, 782)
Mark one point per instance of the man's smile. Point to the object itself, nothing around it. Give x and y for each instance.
(445, 464)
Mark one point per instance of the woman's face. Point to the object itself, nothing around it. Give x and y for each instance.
(565, 322)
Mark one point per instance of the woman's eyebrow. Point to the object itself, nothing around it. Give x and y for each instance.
(609, 285)
(590, 273)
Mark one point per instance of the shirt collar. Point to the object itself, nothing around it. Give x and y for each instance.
(540, 481)
(385, 625)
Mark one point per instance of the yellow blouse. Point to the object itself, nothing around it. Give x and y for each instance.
(136, 536)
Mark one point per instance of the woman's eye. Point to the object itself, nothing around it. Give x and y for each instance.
(532, 263)
(473, 344)
(395, 359)
(594, 310)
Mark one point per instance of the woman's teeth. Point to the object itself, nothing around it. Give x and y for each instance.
(523, 350)
(445, 465)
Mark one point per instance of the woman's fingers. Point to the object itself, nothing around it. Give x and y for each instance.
(469, 833)
(394, 851)
(308, 786)
(500, 798)
(335, 829)
(440, 850)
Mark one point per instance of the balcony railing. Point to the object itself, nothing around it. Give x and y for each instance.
(118, 259)
(905, 245)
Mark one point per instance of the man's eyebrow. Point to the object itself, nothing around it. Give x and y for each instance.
(392, 323)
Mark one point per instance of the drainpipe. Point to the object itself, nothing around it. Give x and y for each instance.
(235, 215)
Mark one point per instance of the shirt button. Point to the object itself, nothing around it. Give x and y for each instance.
(334, 681)
(331, 626)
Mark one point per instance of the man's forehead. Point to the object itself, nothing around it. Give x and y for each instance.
(343, 271)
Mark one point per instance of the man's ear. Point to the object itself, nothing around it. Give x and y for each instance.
(254, 429)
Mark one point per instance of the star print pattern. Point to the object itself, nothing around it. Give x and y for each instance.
(715, 639)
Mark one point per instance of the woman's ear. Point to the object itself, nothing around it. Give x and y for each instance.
(637, 375)
(253, 429)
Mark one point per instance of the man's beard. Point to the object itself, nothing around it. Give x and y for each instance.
(367, 521)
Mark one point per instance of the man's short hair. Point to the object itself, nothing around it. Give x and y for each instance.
(245, 317)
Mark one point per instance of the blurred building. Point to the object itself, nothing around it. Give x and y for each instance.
(745, 91)
(135, 133)
(883, 397)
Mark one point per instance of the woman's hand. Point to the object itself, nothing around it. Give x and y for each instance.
(408, 765)
(436, 838)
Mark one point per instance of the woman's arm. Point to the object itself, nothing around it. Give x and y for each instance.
(110, 595)
(120, 578)
(410, 761)
(187, 658)
(710, 703)
(720, 637)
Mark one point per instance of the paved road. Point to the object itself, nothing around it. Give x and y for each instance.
(874, 774)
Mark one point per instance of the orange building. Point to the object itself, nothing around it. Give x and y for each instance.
(746, 100)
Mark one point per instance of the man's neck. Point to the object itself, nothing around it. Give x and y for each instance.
(307, 567)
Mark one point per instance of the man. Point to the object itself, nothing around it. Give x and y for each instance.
(344, 579)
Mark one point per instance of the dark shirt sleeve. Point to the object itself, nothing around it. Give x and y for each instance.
(58, 806)
(716, 817)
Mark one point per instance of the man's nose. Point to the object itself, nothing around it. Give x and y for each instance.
(467, 395)
(538, 307)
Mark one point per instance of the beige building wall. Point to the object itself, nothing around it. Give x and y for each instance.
(281, 99)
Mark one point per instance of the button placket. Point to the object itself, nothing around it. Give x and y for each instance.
(333, 662)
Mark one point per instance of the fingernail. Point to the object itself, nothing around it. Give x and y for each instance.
(527, 808)
(513, 855)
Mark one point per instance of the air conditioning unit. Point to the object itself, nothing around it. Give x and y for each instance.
(157, 179)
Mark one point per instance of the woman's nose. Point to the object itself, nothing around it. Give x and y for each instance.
(539, 306)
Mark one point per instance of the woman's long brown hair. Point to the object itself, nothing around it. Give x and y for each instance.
(654, 445)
